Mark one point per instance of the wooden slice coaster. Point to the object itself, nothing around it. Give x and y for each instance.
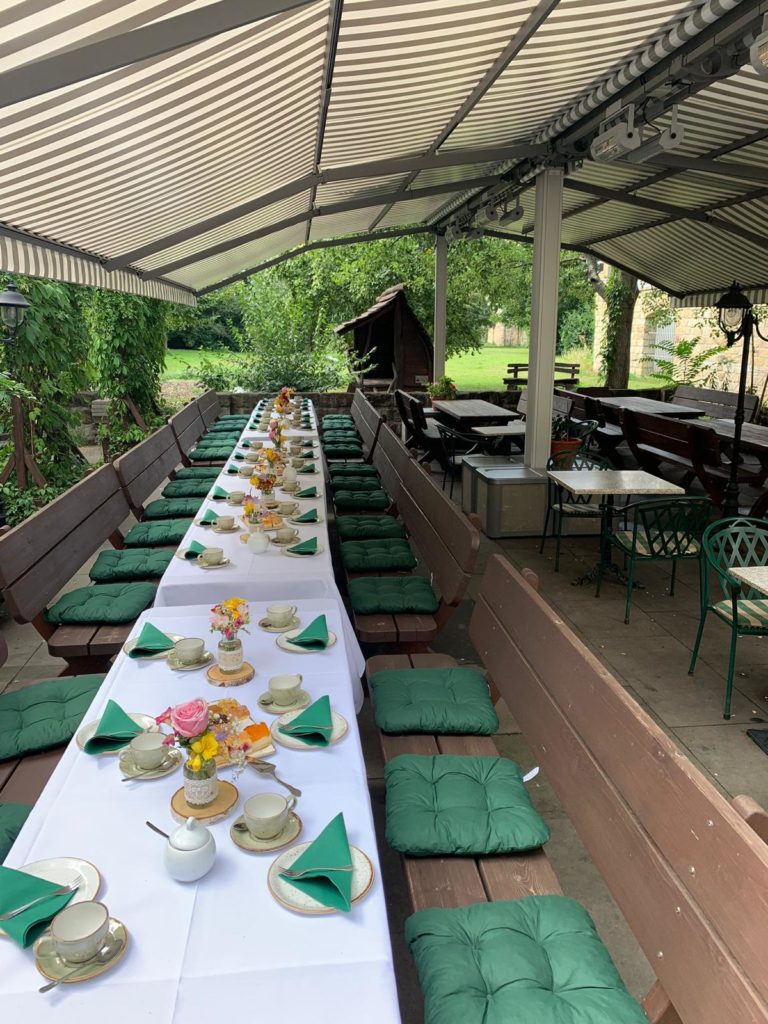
(217, 811)
(219, 678)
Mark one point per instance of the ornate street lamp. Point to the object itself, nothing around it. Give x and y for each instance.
(737, 321)
(13, 309)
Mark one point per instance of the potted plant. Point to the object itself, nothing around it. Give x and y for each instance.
(444, 388)
(562, 442)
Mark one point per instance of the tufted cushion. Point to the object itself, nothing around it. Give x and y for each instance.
(346, 436)
(12, 818)
(223, 437)
(536, 960)
(217, 454)
(374, 500)
(102, 605)
(342, 450)
(377, 555)
(450, 804)
(357, 484)
(355, 469)
(337, 417)
(172, 508)
(368, 527)
(45, 714)
(187, 488)
(157, 533)
(197, 473)
(133, 564)
(438, 701)
(370, 595)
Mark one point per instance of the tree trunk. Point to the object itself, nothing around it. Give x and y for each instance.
(621, 296)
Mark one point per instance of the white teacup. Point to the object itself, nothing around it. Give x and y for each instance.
(212, 556)
(297, 463)
(266, 814)
(285, 508)
(252, 457)
(284, 689)
(290, 485)
(79, 930)
(256, 444)
(286, 534)
(149, 750)
(296, 447)
(237, 496)
(280, 614)
(225, 522)
(245, 472)
(189, 651)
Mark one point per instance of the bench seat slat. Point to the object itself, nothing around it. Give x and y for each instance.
(71, 641)
(513, 877)
(414, 628)
(443, 882)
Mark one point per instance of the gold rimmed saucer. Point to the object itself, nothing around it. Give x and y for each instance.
(204, 565)
(131, 770)
(301, 701)
(177, 666)
(248, 842)
(340, 727)
(265, 625)
(296, 899)
(285, 543)
(223, 529)
(51, 966)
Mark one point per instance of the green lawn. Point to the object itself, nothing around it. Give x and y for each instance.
(179, 360)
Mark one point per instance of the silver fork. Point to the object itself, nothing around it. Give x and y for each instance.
(267, 768)
(293, 873)
(61, 891)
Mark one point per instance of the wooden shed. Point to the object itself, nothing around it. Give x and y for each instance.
(391, 338)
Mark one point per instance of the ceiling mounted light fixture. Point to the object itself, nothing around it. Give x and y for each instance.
(512, 213)
(617, 137)
(758, 51)
(655, 144)
(492, 212)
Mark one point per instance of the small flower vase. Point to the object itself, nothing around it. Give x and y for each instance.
(230, 655)
(201, 787)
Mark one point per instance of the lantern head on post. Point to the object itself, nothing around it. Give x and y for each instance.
(733, 314)
(13, 309)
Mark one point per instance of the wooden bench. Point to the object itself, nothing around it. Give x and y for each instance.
(42, 554)
(561, 405)
(687, 869)
(143, 468)
(519, 374)
(188, 428)
(368, 422)
(209, 408)
(718, 405)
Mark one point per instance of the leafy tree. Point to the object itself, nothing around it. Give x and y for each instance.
(619, 292)
(215, 323)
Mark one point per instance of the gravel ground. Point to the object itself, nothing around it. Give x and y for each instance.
(176, 393)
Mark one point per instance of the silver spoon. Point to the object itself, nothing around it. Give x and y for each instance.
(156, 829)
(267, 768)
(104, 955)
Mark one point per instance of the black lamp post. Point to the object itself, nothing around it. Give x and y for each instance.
(13, 309)
(736, 320)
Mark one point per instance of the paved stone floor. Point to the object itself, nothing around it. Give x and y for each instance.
(649, 657)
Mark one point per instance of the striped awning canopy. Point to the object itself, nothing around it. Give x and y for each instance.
(166, 147)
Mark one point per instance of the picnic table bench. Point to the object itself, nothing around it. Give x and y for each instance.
(518, 374)
(715, 404)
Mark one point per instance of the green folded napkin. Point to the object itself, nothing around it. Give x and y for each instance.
(245, 444)
(308, 453)
(232, 469)
(315, 636)
(115, 730)
(150, 640)
(328, 866)
(306, 547)
(219, 492)
(308, 469)
(308, 492)
(195, 548)
(313, 726)
(18, 888)
(310, 516)
(209, 517)
(239, 456)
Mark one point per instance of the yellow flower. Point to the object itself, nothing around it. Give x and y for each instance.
(233, 603)
(195, 763)
(206, 747)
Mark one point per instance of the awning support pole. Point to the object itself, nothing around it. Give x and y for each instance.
(546, 275)
(441, 273)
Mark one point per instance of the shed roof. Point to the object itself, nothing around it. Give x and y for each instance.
(385, 303)
(166, 147)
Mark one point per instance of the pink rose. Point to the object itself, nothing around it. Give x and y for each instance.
(190, 719)
(164, 717)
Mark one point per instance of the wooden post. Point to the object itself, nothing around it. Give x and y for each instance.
(439, 327)
(17, 411)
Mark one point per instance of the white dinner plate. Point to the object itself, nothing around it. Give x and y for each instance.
(61, 871)
(147, 723)
(284, 642)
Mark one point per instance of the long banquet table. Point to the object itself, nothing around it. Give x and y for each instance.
(220, 949)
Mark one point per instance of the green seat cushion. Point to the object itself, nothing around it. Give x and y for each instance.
(222, 437)
(103, 604)
(368, 527)
(187, 488)
(347, 436)
(131, 564)
(463, 806)
(358, 484)
(12, 818)
(197, 473)
(371, 595)
(342, 450)
(157, 533)
(211, 454)
(334, 418)
(172, 508)
(357, 469)
(374, 500)
(45, 714)
(438, 701)
(377, 555)
(536, 960)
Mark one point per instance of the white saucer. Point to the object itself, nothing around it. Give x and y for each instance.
(285, 543)
(220, 529)
(271, 708)
(178, 667)
(248, 842)
(131, 770)
(284, 643)
(51, 966)
(219, 565)
(264, 624)
(129, 645)
(146, 722)
(295, 899)
(230, 501)
(297, 554)
(62, 871)
(340, 728)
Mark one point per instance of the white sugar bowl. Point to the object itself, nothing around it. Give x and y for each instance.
(189, 852)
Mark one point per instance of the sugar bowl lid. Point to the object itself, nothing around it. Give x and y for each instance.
(190, 836)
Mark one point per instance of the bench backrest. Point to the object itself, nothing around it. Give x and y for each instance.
(208, 407)
(367, 420)
(187, 427)
(41, 555)
(578, 403)
(719, 405)
(687, 872)
(678, 437)
(390, 458)
(144, 467)
(402, 401)
(561, 405)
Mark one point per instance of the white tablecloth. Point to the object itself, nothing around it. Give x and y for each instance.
(221, 949)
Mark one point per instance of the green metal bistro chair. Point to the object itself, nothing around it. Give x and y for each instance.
(727, 543)
(562, 505)
(667, 530)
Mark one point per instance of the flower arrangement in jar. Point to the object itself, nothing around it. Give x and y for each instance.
(192, 730)
(263, 480)
(228, 618)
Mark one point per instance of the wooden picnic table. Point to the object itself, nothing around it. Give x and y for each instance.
(653, 407)
(515, 429)
(470, 412)
(754, 438)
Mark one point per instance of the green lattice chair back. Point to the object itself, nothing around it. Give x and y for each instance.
(670, 528)
(740, 541)
(583, 431)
